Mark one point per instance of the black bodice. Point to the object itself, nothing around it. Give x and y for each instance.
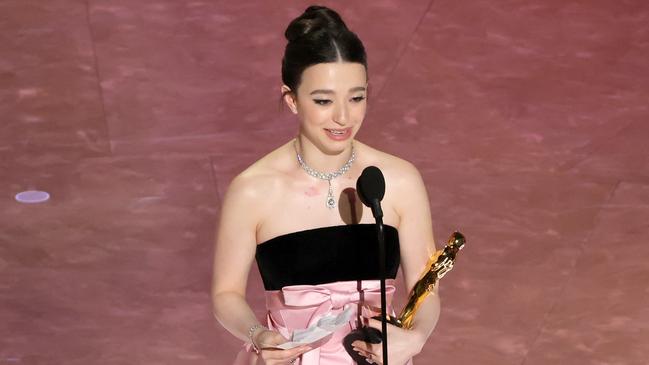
(326, 255)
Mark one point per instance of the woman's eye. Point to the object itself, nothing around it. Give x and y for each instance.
(358, 99)
(322, 101)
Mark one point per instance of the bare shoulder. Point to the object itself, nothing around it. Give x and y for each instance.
(405, 191)
(261, 181)
(396, 170)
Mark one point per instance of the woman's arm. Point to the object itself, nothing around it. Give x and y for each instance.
(233, 256)
(417, 245)
(411, 204)
(235, 252)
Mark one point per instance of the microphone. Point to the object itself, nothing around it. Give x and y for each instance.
(371, 189)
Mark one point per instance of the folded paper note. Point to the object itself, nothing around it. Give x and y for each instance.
(319, 333)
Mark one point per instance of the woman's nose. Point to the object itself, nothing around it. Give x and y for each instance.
(340, 114)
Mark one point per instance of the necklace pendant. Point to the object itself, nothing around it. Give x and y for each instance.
(331, 202)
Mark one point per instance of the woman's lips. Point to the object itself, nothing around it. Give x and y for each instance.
(338, 134)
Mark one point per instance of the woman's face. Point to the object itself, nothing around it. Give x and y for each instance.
(331, 103)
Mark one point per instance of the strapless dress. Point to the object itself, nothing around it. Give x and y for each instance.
(316, 272)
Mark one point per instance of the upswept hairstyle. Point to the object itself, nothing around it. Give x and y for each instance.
(319, 35)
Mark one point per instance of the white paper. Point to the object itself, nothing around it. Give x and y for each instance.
(319, 333)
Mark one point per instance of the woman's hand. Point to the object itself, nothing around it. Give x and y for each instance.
(402, 345)
(265, 341)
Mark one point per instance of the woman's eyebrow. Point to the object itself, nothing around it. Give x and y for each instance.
(321, 91)
(328, 91)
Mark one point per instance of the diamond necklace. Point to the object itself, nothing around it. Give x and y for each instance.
(331, 202)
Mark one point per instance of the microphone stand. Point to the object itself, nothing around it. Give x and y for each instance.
(378, 215)
(384, 324)
(370, 187)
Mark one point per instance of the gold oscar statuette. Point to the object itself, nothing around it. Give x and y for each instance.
(438, 265)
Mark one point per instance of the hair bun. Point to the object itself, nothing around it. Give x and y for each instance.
(313, 19)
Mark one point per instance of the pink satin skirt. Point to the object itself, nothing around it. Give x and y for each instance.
(300, 306)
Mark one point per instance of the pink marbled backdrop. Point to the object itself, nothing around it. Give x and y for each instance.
(528, 119)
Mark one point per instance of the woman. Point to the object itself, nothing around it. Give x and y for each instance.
(295, 211)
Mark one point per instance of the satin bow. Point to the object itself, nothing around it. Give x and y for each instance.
(300, 306)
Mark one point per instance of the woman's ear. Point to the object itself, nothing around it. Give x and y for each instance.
(289, 98)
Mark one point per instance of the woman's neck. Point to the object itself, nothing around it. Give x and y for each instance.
(319, 160)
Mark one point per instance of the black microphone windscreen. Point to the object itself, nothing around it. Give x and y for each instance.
(370, 185)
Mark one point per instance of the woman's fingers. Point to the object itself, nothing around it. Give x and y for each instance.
(371, 358)
(272, 356)
(376, 324)
(269, 338)
(372, 352)
(364, 346)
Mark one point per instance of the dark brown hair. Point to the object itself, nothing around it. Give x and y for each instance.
(319, 35)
